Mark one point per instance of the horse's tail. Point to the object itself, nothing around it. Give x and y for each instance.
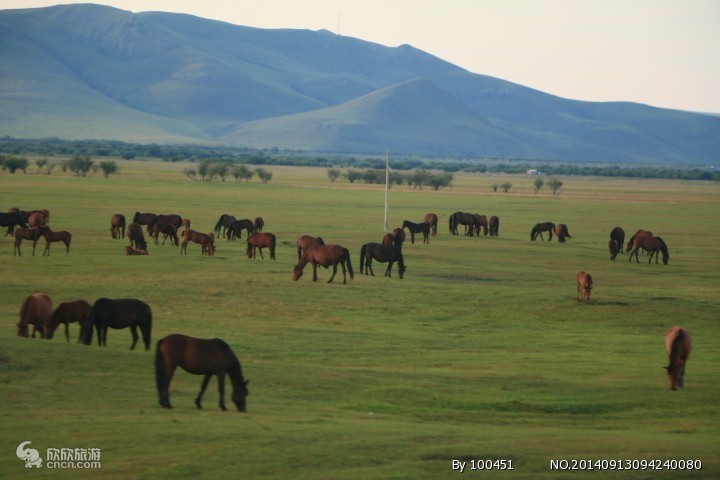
(122, 226)
(565, 232)
(160, 367)
(362, 258)
(146, 326)
(349, 264)
(450, 223)
(273, 240)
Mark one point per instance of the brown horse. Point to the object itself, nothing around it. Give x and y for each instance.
(652, 244)
(223, 224)
(186, 223)
(145, 219)
(381, 253)
(136, 236)
(631, 243)
(679, 345)
(167, 230)
(205, 240)
(398, 237)
(259, 224)
(169, 219)
(461, 218)
(199, 356)
(584, 286)
(52, 237)
(260, 240)
(305, 242)
(69, 312)
(121, 313)
(494, 226)
(414, 228)
(539, 228)
(480, 221)
(612, 246)
(36, 310)
(561, 230)
(117, 226)
(325, 255)
(134, 251)
(432, 220)
(617, 236)
(37, 219)
(25, 234)
(235, 229)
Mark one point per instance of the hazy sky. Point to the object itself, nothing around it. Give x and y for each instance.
(664, 53)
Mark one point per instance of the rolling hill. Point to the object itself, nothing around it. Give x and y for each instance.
(88, 71)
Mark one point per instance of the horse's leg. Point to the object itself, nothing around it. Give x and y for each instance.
(368, 266)
(388, 272)
(221, 390)
(67, 247)
(165, 385)
(67, 331)
(133, 331)
(334, 272)
(47, 248)
(342, 264)
(204, 385)
(412, 236)
(34, 244)
(261, 254)
(314, 272)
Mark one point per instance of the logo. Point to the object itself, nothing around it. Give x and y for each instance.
(30, 456)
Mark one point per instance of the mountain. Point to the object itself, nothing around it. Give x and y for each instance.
(88, 71)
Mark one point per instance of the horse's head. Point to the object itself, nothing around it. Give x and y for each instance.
(676, 376)
(401, 271)
(297, 272)
(613, 249)
(239, 396)
(22, 330)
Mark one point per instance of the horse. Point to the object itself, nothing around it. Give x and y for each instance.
(260, 240)
(584, 286)
(461, 218)
(562, 233)
(171, 219)
(186, 223)
(381, 253)
(36, 310)
(387, 241)
(480, 221)
(119, 313)
(25, 214)
(612, 246)
(223, 224)
(235, 229)
(652, 244)
(25, 234)
(52, 237)
(631, 243)
(144, 219)
(305, 242)
(117, 226)
(325, 255)
(11, 220)
(136, 236)
(259, 224)
(494, 226)
(168, 230)
(205, 240)
(199, 356)
(679, 345)
(134, 251)
(617, 236)
(398, 237)
(37, 219)
(432, 219)
(68, 312)
(539, 228)
(414, 228)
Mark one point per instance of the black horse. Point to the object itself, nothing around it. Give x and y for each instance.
(11, 220)
(414, 228)
(120, 313)
(223, 224)
(617, 235)
(381, 253)
(462, 218)
(548, 227)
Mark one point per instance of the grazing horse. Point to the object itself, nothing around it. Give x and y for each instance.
(259, 224)
(398, 237)
(25, 234)
(480, 221)
(432, 219)
(584, 286)
(136, 236)
(617, 236)
(36, 310)
(652, 244)
(461, 218)
(145, 219)
(167, 230)
(260, 240)
(631, 243)
(171, 219)
(381, 253)
(117, 226)
(414, 228)
(494, 226)
(120, 313)
(562, 233)
(11, 220)
(235, 229)
(223, 224)
(539, 228)
(199, 356)
(325, 255)
(205, 240)
(305, 242)
(134, 251)
(52, 237)
(68, 312)
(612, 246)
(679, 345)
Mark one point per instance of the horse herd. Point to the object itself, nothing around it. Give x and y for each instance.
(31, 225)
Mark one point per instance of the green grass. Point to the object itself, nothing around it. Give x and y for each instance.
(481, 352)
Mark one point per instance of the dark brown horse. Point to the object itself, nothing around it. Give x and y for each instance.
(37, 219)
(205, 240)
(11, 220)
(652, 244)
(383, 254)
(136, 236)
(120, 313)
(25, 234)
(235, 229)
(117, 226)
(68, 312)
(52, 237)
(258, 241)
(539, 228)
(561, 230)
(199, 356)
(25, 214)
(145, 219)
(168, 231)
(305, 242)
(631, 243)
(461, 218)
(36, 310)
(612, 246)
(223, 224)
(325, 255)
(480, 221)
(679, 345)
(494, 226)
(584, 286)
(259, 224)
(397, 237)
(432, 220)
(617, 235)
(414, 228)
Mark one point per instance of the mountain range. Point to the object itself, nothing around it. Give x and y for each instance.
(87, 71)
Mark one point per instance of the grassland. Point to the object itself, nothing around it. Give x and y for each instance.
(480, 352)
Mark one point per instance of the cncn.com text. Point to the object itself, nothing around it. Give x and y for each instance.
(72, 464)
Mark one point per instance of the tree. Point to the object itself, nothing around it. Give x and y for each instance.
(539, 182)
(333, 174)
(190, 172)
(420, 177)
(440, 180)
(80, 165)
(241, 172)
(108, 167)
(506, 187)
(204, 170)
(263, 175)
(40, 164)
(15, 163)
(219, 170)
(555, 185)
(353, 175)
(494, 187)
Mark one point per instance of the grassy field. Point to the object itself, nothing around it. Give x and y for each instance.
(480, 353)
